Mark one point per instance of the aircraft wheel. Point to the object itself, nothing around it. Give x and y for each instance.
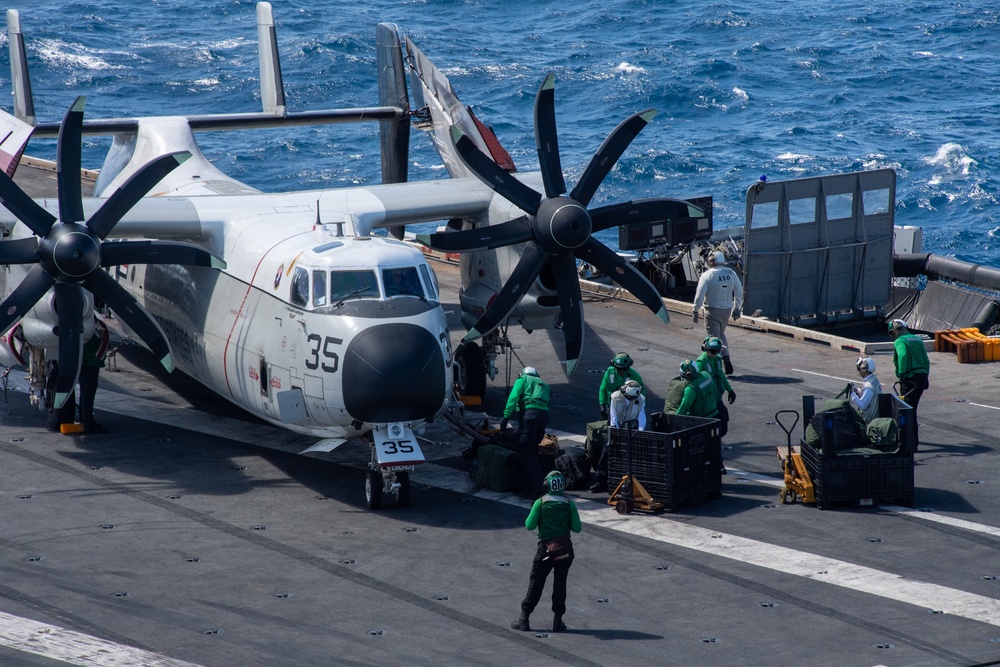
(623, 507)
(403, 495)
(470, 370)
(373, 489)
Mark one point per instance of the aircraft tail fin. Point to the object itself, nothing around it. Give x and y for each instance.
(24, 105)
(438, 108)
(394, 135)
(272, 87)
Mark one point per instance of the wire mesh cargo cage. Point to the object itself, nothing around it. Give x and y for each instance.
(678, 459)
(865, 475)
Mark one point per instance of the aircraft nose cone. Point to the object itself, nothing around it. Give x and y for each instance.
(393, 373)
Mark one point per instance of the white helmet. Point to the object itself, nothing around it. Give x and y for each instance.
(529, 370)
(865, 365)
(631, 389)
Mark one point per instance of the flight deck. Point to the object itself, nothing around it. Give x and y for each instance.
(193, 534)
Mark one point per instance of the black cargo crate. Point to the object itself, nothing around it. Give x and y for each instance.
(846, 477)
(678, 460)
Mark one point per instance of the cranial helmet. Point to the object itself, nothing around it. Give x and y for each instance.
(555, 482)
(631, 389)
(622, 361)
(712, 344)
(529, 370)
(897, 326)
(865, 365)
(689, 368)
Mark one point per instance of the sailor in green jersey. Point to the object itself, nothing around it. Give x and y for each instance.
(554, 516)
(710, 361)
(618, 373)
(530, 397)
(701, 399)
(912, 367)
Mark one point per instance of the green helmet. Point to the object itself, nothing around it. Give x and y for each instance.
(712, 344)
(689, 368)
(898, 325)
(555, 482)
(622, 361)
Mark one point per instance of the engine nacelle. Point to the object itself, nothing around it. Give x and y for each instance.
(13, 349)
(39, 326)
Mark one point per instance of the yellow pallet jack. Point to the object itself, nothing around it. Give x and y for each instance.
(797, 480)
(630, 495)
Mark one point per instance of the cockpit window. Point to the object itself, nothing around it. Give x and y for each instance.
(430, 280)
(300, 287)
(402, 281)
(346, 285)
(319, 288)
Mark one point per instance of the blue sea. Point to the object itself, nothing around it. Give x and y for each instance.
(784, 89)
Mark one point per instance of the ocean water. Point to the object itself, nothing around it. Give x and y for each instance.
(785, 88)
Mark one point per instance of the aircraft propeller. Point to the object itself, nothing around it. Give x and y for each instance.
(69, 255)
(558, 228)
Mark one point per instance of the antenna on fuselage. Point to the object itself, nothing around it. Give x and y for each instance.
(338, 226)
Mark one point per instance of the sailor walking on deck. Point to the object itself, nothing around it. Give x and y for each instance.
(721, 291)
(912, 368)
(554, 515)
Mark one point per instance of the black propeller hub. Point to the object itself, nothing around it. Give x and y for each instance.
(561, 225)
(70, 252)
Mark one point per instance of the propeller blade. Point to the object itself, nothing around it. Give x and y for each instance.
(642, 210)
(24, 208)
(68, 150)
(134, 189)
(487, 236)
(625, 275)
(32, 288)
(568, 285)
(69, 304)
(114, 253)
(546, 139)
(21, 251)
(524, 274)
(490, 173)
(607, 155)
(128, 310)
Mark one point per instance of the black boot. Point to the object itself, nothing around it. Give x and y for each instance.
(728, 365)
(557, 624)
(600, 485)
(521, 623)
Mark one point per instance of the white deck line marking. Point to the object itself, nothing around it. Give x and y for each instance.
(822, 375)
(75, 648)
(799, 370)
(773, 557)
(810, 566)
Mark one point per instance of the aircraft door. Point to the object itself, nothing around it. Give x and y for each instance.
(315, 398)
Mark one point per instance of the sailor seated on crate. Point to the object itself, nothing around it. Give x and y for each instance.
(627, 409)
(840, 429)
(864, 398)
